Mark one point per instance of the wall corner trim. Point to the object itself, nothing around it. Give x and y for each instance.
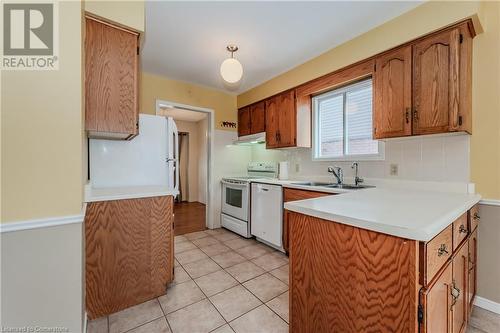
(490, 202)
(42, 223)
(487, 304)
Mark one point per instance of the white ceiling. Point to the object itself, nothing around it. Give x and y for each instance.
(187, 40)
(183, 115)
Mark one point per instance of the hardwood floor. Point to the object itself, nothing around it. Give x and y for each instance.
(189, 217)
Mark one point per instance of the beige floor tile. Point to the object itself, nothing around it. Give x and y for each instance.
(265, 287)
(224, 329)
(253, 251)
(180, 275)
(215, 282)
(205, 241)
(215, 249)
(180, 239)
(183, 247)
(180, 295)
(156, 326)
(196, 235)
(176, 263)
(200, 317)
(234, 302)
(134, 316)
(261, 319)
(212, 232)
(226, 236)
(269, 261)
(190, 256)
(99, 325)
(239, 243)
(472, 329)
(485, 320)
(228, 259)
(245, 271)
(279, 305)
(201, 267)
(282, 273)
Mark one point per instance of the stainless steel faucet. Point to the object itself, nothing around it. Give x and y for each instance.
(339, 174)
(357, 180)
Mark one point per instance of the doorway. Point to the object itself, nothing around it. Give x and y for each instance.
(193, 206)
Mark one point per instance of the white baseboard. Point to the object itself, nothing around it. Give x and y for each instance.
(487, 304)
(85, 321)
(490, 202)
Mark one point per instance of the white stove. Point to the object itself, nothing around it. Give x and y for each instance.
(236, 196)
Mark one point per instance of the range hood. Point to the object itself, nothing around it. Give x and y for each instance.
(252, 139)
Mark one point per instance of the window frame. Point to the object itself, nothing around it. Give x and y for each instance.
(316, 145)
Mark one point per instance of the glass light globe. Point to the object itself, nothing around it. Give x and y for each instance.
(231, 70)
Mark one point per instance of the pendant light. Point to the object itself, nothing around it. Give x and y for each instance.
(231, 69)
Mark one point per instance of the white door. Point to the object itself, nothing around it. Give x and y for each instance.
(267, 213)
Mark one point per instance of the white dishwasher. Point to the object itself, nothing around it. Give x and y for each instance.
(266, 218)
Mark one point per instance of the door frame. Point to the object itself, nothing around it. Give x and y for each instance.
(210, 209)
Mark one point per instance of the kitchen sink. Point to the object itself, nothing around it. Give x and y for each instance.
(314, 184)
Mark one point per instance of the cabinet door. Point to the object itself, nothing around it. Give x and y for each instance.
(392, 94)
(111, 76)
(459, 289)
(436, 82)
(258, 117)
(472, 278)
(437, 303)
(287, 134)
(272, 122)
(244, 124)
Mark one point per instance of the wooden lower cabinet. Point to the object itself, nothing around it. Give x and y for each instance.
(128, 252)
(348, 279)
(472, 275)
(292, 194)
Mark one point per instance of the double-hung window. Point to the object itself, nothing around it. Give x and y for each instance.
(342, 127)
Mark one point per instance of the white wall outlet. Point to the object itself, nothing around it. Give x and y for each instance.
(297, 167)
(393, 170)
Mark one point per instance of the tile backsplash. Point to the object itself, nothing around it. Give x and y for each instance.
(424, 158)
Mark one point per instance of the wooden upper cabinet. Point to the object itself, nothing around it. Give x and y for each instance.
(281, 121)
(244, 125)
(392, 94)
(258, 117)
(424, 86)
(111, 80)
(436, 83)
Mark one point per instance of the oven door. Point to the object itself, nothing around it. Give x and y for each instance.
(235, 200)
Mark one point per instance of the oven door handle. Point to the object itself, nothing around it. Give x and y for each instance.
(234, 184)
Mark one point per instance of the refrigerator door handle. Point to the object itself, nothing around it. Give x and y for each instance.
(176, 156)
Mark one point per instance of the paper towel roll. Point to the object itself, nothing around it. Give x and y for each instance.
(283, 170)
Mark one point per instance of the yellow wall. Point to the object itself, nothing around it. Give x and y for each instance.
(430, 16)
(155, 87)
(42, 128)
(127, 13)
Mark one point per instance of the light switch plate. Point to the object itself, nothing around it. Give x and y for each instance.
(393, 170)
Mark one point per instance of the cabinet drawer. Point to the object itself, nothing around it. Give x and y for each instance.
(460, 230)
(474, 217)
(436, 252)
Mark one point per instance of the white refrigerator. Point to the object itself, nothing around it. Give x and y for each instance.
(150, 159)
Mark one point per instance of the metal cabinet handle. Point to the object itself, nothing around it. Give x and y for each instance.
(462, 229)
(407, 115)
(455, 293)
(415, 114)
(442, 250)
(476, 216)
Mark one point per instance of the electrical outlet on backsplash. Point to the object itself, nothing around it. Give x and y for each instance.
(424, 158)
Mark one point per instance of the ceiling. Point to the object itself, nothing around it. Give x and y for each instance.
(187, 40)
(183, 115)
